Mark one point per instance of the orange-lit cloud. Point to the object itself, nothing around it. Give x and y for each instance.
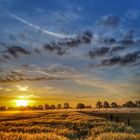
(22, 88)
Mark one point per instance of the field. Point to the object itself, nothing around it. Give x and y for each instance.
(69, 125)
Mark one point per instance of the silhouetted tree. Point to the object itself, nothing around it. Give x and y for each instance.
(99, 105)
(46, 106)
(129, 104)
(29, 107)
(106, 104)
(80, 106)
(2, 108)
(88, 106)
(137, 103)
(114, 105)
(34, 107)
(59, 106)
(66, 105)
(10, 108)
(40, 107)
(52, 107)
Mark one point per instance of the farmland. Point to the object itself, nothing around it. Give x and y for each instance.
(69, 124)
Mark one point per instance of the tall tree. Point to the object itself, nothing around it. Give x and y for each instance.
(66, 105)
(106, 104)
(80, 106)
(59, 106)
(52, 107)
(46, 106)
(99, 105)
(114, 105)
(129, 104)
(40, 107)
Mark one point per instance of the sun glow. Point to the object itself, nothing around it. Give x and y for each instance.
(21, 102)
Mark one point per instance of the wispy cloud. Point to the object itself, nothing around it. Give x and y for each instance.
(22, 88)
(109, 21)
(132, 14)
(34, 73)
(58, 35)
(7, 89)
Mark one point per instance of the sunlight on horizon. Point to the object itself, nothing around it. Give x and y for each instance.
(22, 102)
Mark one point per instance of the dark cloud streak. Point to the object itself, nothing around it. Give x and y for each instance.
(12, 51)
(21, 77)
(61, 47)
(121, 60)
(98, 52)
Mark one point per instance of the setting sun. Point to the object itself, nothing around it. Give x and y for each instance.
(21, 102)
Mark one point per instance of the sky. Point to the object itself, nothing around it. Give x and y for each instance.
(69, 51)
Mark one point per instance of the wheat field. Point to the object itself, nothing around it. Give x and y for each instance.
(57, 125)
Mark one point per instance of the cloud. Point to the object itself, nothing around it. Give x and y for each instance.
(5, 89)
(125, 42)
(109, 21)
(61, 47)
(54, 48)
(117, 48)
(64, 46)
(129, 35)
(16, 50)
(137, 42)
(107, 41)
(11, 79)
(111, 46)
(22, 88)
(102, 46)
(63, 71)
(2, 59)
(98, 52)
(59, 35)
(6, 56)
(12, 51)
(35, 73)
(124, 60)
(108, 89)
(133, 14)
(37, 50)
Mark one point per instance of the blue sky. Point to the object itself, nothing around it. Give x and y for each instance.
(67, 50)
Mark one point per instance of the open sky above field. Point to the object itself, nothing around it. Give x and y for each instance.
(56, 51)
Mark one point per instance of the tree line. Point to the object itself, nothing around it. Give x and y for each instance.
(99, 105)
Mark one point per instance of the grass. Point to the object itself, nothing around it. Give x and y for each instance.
(62, 125)
(117, 136)
(28, 136)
